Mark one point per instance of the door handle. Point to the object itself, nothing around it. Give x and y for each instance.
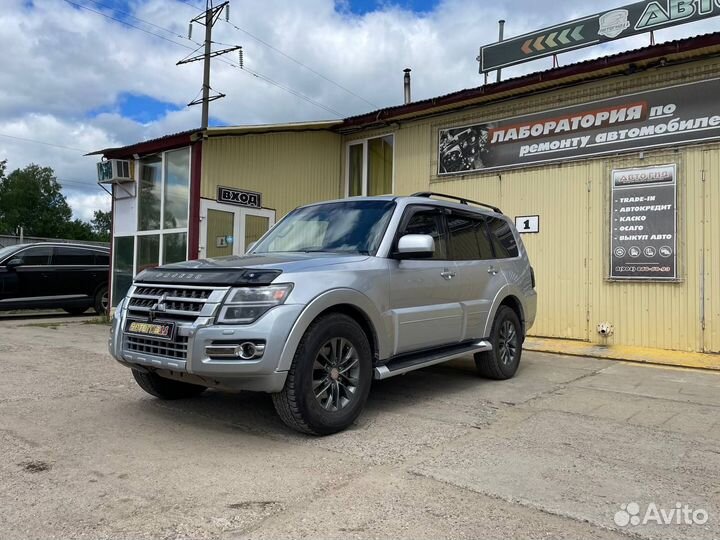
(492, 270)
(447, 274)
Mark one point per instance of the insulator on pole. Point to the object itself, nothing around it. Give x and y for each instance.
(190, 31)
(240, 57)
(227, 12)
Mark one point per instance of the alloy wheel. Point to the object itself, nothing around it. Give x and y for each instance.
(336, 374)
(508, 342)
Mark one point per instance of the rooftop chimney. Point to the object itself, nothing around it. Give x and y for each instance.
(408, 97)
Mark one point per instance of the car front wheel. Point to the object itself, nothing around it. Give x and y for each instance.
(330, 377)
(506, 338)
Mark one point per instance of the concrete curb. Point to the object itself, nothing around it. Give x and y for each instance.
(628, 354)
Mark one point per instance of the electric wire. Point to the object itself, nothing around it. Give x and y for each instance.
(258, 75)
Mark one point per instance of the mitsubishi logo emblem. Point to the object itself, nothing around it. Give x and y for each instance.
(158, 307)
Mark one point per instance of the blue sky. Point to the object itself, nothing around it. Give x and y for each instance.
(361, 7)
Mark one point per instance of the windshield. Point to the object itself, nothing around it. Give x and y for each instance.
(341, 227)
(7, 251)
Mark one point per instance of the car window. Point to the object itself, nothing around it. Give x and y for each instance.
(429, 222)
(35, 256)
(73, 256)
(102, 259)
(468, 240)
(502, 238)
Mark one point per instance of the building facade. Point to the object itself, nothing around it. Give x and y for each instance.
(611, 168)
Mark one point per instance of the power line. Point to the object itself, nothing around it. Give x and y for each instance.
(252, 73)
(127, 23)
(43, 142)
(298, 62)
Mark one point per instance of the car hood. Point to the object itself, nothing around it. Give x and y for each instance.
(243, 270)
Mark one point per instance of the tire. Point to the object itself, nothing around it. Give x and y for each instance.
(75, 310)
(166, 388)
(325, 391)
(101, 301)
(503, 360)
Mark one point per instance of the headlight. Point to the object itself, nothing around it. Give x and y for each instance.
(247, 304)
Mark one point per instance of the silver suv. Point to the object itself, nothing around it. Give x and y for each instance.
(335, 295)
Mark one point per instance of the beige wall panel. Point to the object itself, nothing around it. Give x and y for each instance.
(663, 315)
(711, 166)
(289, 169)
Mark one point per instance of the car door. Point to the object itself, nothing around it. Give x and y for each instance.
(34, 277)
(424, 299)
(75, 273)
(477, 273)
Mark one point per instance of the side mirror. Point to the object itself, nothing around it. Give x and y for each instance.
(13, 263)
(415, 246)
(250, 247)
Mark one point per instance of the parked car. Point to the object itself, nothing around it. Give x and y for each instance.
(333, 296)
(72, 277)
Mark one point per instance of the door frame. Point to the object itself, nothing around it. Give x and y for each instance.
(238, 247)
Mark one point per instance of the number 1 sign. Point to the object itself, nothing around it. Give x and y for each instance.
(527, 224)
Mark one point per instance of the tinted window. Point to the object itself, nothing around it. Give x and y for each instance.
(429, 222)
(502, 238)
(35, 256)
(71, 256)
(468, 239)
(102, 259)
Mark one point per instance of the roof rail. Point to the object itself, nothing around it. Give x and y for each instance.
(461, 200)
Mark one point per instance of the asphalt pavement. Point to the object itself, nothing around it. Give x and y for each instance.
(570, 448)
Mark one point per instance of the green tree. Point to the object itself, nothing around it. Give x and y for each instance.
(31, 198)
(101, 224)
(78, 230)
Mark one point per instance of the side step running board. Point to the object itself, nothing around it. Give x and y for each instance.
(405, 364)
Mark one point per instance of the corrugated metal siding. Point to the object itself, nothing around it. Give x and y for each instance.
(289, 169)
(711, 166)
(664, 315)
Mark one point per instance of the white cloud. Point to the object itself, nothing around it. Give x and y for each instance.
(84, 204)
(61, 63)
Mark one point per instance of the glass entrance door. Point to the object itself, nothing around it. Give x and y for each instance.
(228, 230)
(220, 233)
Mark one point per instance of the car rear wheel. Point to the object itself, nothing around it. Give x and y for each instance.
(163, 388)
(506, 337)
(330, 377)
(102, 301)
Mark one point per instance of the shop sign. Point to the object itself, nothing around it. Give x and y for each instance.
(630, 20)
(239, 197)
(644, 224)
(666, 117)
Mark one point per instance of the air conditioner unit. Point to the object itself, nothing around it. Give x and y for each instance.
(114, 171)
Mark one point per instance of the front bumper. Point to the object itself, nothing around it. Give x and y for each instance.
(260, 374)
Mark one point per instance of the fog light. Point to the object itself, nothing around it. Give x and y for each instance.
(247, 350)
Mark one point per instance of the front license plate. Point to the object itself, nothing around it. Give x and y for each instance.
(156, 330)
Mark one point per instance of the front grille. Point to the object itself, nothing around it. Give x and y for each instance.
(169, 302)
(169, 349)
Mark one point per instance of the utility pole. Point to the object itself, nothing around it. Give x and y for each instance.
(208, 19)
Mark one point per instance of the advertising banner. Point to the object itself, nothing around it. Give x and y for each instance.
(630, 20)
(643, 227)
(666, 117)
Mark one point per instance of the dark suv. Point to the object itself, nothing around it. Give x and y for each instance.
(72, 277)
